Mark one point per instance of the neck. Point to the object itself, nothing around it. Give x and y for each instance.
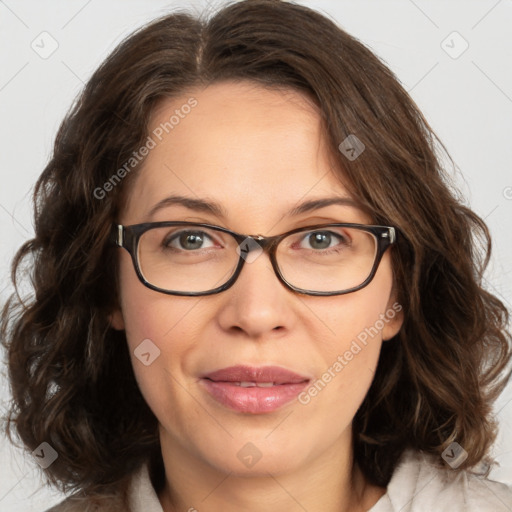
(331, 482)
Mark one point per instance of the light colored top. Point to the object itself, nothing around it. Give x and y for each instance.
(416, 485)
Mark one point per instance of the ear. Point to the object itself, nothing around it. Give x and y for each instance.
(116, 319)
(393, 318)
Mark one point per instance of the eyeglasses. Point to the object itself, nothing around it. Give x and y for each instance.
(186, 258)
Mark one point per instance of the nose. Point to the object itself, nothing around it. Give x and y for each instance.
(258, 303)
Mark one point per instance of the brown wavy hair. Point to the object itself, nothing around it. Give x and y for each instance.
(72, 382)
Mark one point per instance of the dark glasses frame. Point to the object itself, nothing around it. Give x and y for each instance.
(128, 238)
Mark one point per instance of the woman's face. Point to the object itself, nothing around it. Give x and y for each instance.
(257, 153)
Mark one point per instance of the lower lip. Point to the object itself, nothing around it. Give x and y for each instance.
(253, 400)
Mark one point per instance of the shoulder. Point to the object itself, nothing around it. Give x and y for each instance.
(420, 482)
(75, 504)
(141, 497)
(69, 505)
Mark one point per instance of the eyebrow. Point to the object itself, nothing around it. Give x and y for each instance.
(216, 209)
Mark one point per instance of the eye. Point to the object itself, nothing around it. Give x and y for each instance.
(188, 240)
(322, 240)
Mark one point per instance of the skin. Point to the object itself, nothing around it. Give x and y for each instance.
(258, 152)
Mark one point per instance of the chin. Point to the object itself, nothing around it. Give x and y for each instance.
(258, 458)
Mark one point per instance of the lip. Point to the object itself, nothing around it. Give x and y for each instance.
(245, 373)
(224, 386)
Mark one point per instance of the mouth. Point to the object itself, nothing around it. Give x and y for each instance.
(254, 390)
(254, 384)
(265, 376)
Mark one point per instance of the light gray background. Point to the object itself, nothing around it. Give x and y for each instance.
(467, 100)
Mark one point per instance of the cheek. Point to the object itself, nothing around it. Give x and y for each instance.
(354, 320)
(148, 314)
(348, 361)
(168, 326)
(162, 329)
(159, 334)
(350, 343)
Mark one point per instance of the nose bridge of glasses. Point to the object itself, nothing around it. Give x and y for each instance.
(252, 247)
(256, 243)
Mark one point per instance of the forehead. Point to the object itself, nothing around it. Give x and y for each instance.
(252, 149)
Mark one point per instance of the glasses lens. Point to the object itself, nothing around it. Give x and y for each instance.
(187, 258)
(329, 259)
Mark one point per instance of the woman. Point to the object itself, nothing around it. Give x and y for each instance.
(254, 289)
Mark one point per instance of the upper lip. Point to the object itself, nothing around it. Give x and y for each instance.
(242, 373)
